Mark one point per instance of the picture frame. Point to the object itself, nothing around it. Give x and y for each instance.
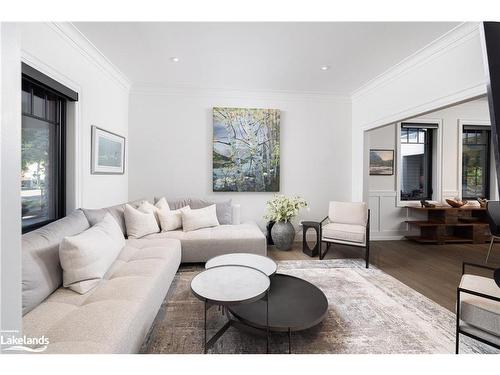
(381, 162)
(246, 149)
(107, 152)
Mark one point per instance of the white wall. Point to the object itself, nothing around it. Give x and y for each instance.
(61, 52)
(10, 185)
(171, 146)
(447, 71)
(383, 191)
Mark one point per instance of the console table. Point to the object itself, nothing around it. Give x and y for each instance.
(451, 225)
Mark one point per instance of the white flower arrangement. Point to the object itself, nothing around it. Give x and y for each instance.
(283, 208)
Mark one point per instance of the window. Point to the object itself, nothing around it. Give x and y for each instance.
(416, 161)
(42, 155)
(475, 162)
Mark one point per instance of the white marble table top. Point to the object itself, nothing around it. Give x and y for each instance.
(230, 284)
(259, 262)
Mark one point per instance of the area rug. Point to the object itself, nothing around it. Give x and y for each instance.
(370, 312)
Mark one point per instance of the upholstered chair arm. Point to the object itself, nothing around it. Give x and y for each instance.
(324, 221)
(478, 294)
(476, 266)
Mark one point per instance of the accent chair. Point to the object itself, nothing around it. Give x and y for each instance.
(478, 307)
(347, 223)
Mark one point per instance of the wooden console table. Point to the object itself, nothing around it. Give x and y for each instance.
(451, 225)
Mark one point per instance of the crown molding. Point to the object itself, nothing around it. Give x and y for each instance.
(458, 35)
(461, 96)
(151, 89)
(75, 38)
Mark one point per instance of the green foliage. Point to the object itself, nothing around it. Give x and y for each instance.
(283, 208)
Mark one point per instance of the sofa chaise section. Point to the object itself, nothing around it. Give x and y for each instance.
(202, 244)
(116, 316)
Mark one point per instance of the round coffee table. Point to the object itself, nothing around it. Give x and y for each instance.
(259, 262)
(229, 285)
(293, 305)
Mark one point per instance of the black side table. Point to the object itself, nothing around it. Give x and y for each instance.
(305, 246)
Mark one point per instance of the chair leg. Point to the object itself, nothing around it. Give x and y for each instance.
(322, 255)
(367, 255)
(457, 325)
(491, 246)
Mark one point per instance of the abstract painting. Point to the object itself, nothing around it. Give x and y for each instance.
(108, 152)
(381, 162)
(246, 149)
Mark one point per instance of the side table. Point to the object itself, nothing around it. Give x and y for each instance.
(305, 246)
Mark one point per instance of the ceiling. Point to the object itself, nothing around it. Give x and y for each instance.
(259, 56)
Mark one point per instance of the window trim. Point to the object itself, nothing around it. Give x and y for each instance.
(437, 159)
(493, 178)
(61, 157)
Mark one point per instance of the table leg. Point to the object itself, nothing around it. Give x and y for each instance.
(205, 328)
(267, 322)
(289, 341)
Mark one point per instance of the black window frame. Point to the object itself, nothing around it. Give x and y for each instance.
(478, 129)
(60, 126)
(428, 151)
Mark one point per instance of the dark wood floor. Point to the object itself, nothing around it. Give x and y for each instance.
(433, 270)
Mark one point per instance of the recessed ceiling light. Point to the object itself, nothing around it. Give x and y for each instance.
(174, 59)
(325, 67)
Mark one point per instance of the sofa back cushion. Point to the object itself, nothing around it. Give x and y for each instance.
(87, 256)
(95, 215)
(223, 208)
(355, 213)
(41, 269)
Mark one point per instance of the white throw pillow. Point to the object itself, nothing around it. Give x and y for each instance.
(149, 208)
(86, 257)
(200, 218)
(171, 219)
(139, 223)
(162, 204)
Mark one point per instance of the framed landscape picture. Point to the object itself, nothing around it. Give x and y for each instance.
(246, 149)
(108, 152)
(381, 162)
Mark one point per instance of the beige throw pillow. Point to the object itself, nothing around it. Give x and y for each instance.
(201, 218)
(87, 256)
(149, 208)
(140, 223)
(171, 219)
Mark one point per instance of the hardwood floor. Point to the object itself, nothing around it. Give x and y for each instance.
(433, 270)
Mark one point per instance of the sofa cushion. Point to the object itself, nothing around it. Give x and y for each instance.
(96, 215)
(41, 269)
(86, 257)
(344, 232)
(477, 311)
(171, 219)
(203, 244)
(223, 207)
(115, 316)
(348, 213)
(140, 222)
(198, 219)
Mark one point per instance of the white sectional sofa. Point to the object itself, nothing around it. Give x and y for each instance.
(115, 316)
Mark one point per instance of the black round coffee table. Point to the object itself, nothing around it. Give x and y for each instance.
(294, 305)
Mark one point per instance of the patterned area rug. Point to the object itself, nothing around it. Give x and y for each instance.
(369, 312)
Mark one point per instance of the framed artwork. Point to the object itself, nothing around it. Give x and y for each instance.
(246, 149)
(381, 162)
(108, 152)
